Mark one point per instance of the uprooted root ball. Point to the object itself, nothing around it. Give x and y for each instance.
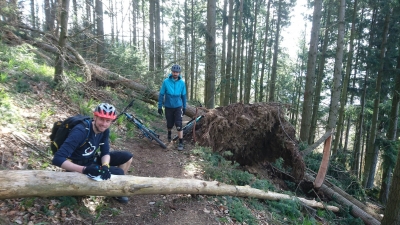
(254, 133)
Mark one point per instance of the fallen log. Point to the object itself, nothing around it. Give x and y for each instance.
(356, 210)
(40, 183)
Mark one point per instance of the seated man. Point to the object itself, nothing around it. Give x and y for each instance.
(83, 159)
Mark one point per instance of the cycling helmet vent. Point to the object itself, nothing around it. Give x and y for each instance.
(105, 110)
(176, 68)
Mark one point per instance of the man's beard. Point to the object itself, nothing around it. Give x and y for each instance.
(97, 128)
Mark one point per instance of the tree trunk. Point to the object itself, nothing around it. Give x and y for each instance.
(271, 97)
(391, 135)
(392, 211)
(209, 95)
(324, 164)
(186, 38)
(112, 15)
(356, 167)
(40, 183)
(250, 58)
(371, 153)
(264, 53)
(135, 9)
(354, 206)
(59, 65)
(310, 75)
(158, 45)
(192, 56)
(222, 85)
(151, 35)
(335, 92)
(49, 22)
(228, 69)
(320, 75)
(343, 97)
(100, 32)
(33, 16)
(238, 53)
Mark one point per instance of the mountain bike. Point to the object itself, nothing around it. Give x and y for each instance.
(146, 132)
(188, 128)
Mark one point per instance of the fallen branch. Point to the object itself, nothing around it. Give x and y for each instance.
(355, 210)
(40, 183)
(311, 148)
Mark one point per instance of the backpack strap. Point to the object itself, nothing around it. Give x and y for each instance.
(87, 128)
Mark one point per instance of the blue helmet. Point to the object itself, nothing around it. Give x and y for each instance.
(176, 68)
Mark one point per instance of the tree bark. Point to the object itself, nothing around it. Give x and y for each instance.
(223, 81)
(157, 43)
(40, 183)
(271, 96)
(320, 74)
(346, 80)
(235, 84)
(310, 75)
(392, 212)
(100, 32)
(323, 168)
(151, 35)
(59, 65)
(250, 58)
(209, 95)
(391, 135)
(264, 52)
(192, 55)
(371, 154)
(335, 92)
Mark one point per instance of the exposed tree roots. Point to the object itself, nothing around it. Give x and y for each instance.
(254, 133)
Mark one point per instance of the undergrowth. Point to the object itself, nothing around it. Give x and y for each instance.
(216, 167)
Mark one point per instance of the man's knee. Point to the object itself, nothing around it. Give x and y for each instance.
(178, 126)
(116, 170)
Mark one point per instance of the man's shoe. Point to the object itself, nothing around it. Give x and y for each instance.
(180, 146)
(122, 199)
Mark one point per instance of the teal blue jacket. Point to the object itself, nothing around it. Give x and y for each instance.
(172, 93)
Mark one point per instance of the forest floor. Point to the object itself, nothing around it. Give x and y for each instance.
(22, 145)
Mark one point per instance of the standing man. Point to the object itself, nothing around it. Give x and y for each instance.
(75, 157)
(173, 95)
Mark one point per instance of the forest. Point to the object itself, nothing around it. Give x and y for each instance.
(342, 88)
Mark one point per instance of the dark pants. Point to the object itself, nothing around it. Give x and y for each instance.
(116, 158)
(174, 117)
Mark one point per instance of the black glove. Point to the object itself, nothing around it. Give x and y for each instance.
(183, 111)
(92, 171)
(160, 111)
(105, 172)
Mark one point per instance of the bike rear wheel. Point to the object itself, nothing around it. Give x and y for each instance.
(153, 137)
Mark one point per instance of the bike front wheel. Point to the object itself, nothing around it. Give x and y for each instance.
(153, 137)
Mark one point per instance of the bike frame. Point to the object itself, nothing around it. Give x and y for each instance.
(189, 126)
(146, 132)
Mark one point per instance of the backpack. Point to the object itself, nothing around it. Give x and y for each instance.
(61, 129)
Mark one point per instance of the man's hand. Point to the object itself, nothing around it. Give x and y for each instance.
(160, 111)
(105, 172)
(183, 111)
(92, 171)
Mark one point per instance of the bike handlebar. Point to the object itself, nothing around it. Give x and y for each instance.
(124, 110)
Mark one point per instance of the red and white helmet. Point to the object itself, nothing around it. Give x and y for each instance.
(105, 110)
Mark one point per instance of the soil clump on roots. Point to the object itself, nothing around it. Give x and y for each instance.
(254, 133)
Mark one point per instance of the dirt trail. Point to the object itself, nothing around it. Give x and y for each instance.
(150, 160)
